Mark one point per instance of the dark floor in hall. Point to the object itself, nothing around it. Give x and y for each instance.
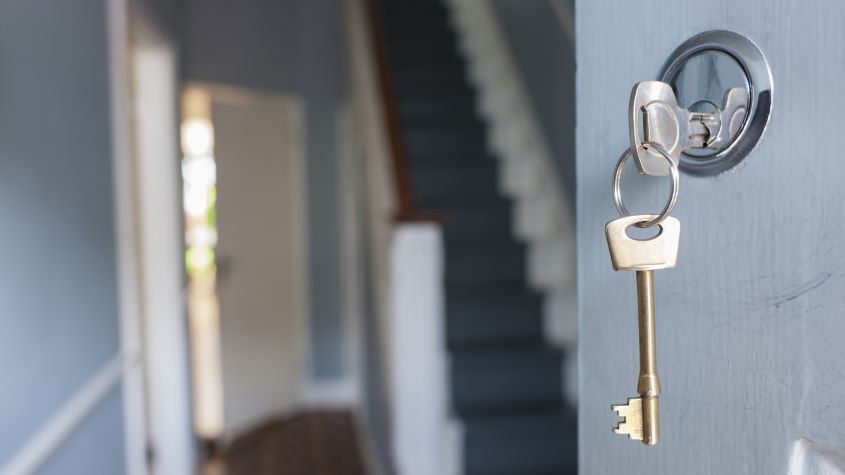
(308, 443)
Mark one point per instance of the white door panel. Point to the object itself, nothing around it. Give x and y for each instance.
(259, 254)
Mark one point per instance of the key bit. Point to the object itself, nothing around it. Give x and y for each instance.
(632, 418)
(641, 419)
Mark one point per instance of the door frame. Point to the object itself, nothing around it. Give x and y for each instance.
(150, 245)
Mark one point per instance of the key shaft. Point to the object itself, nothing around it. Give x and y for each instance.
(648, 384)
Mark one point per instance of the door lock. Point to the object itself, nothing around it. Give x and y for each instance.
(708, 109)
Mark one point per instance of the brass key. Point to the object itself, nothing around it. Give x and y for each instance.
(641, 418)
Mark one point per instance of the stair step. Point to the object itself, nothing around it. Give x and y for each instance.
(432, 88)
(441, 183)
(419, 17)
(391, 9)
(421, 26)
(447, 60)
(443, 70)
(495, 381)
(522, 444)
(441, 107)
(505, 319)
(471, 224)
(485, 265)
(438, 89)
(459, 119)
(452, 158)
(432, 141)
(434, 47)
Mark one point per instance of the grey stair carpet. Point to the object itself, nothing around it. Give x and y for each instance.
(506, 382)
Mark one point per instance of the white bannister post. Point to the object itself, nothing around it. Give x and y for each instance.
(424, 438)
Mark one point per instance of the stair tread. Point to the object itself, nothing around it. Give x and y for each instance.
(522, 423)
(416, 48)
(471, 224)
(415, 56)
(429, 72)
(441, 107)
(485, 264)
(522, 443)
(505, 320)
(427, 7)
(499, 380)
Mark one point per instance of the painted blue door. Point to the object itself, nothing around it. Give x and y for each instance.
(750, 323)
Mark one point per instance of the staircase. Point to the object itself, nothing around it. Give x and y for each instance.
(506, 382)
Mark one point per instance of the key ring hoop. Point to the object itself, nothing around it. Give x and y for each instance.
(673, 191)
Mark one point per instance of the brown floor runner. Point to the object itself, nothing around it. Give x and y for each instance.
(308, 443)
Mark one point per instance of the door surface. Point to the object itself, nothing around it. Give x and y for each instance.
(750, 323)
(260, 278)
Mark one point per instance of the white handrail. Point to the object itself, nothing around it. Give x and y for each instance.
(41, 446)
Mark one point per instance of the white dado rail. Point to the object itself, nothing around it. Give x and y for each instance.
(543, 217)
(41, 446)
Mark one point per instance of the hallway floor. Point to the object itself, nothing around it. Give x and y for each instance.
(308, 443)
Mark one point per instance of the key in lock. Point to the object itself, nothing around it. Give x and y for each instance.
(678, 129)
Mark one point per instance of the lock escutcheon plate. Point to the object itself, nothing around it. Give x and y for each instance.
(701, 72)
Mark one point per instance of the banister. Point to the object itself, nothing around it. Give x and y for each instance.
(407, 210)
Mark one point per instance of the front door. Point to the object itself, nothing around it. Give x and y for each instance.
(260, 249)
(750, 324)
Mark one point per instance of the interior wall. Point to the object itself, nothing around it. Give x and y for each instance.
(58, 288)
(291, 46)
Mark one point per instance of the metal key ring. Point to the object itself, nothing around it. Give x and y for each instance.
(673, 194)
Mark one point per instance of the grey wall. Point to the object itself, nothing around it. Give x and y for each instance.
(169, 14)
(58, 307)
(292, 46)
(545, 57)
(750, 323)
(91, 451)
